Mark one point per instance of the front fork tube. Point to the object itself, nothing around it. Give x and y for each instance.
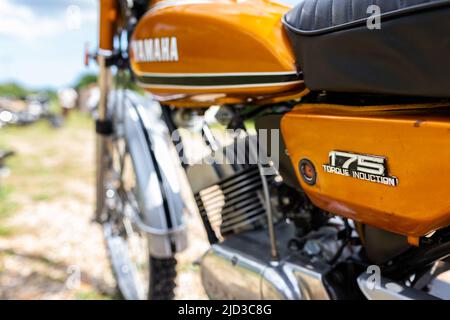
(103, 142)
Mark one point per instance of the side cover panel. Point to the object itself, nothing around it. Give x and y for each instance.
(410, 195)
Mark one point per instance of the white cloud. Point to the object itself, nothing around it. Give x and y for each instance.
(22, 22)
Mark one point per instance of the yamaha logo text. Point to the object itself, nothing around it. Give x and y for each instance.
(155, 49)
(360, 166)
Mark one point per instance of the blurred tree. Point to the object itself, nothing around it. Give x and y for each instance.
(51, 93)
(126, 80)
(14, 90)
(85, 80)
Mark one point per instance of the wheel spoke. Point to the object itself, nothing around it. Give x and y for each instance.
(130, 258)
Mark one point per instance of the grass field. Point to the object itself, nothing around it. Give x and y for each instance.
(41, 162)
(45, 206)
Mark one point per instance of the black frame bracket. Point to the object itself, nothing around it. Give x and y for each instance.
(104, 127)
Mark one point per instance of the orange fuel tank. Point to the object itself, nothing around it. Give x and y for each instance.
(384, 166)
(200, 52)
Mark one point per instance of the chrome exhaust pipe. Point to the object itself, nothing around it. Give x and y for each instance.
(228, 273)
(380, 288)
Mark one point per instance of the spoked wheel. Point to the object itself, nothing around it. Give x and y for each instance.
(139, 276)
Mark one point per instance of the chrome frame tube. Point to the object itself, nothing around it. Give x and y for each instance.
(269, 214)
(102, 142)
(271, 228)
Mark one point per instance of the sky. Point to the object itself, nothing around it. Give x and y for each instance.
(42, 41)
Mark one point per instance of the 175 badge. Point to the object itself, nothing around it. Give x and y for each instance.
(360, 166)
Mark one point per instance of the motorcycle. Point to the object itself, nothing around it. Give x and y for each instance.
(342, 193)
(36, 107)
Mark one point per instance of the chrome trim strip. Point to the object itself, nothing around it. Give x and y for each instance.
(218, 74)
(104, 53)
(218, 86)
(171, 3)
(389, 290)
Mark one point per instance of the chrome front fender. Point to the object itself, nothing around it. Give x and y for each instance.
(157, 173)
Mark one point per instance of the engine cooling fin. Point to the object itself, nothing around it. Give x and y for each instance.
(233, 205)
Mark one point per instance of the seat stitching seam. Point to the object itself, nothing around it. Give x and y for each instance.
(315, 15)
(300, 19)
(330, 15)
(351, 10)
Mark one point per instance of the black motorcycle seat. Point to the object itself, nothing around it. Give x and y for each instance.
(319, 16)
(388, 47)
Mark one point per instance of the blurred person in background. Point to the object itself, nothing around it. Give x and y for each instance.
(67, 99)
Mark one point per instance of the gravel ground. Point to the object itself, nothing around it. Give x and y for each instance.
(49, 248)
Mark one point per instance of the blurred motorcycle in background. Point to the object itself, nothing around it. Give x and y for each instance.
(33, 108)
